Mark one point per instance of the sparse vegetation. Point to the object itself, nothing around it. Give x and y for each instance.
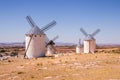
(102, 65)
(10, 61)
(32, 76)
(2, 50)
(116, 51)
(39, 64)
(14, 54)
(20, 72)
(66, 61)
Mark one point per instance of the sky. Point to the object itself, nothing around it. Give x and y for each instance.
(70, 15)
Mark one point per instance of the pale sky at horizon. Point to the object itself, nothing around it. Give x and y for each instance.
(70, 16)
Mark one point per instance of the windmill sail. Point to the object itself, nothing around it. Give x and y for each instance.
(30, 21)
(35, 47)
(79, 41)
(56, 37)
(94, 33)
(51, 42)
(83, 31)
(48, 26)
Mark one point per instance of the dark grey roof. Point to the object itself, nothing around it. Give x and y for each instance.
(89, 37)
(35, 30)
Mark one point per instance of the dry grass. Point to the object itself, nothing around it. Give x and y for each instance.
(100, 66)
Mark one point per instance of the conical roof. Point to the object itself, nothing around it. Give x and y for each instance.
(35, 30)
(89, 37)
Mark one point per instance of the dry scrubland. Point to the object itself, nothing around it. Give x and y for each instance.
(104, 65)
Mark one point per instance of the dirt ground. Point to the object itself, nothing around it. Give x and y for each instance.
(69, 66)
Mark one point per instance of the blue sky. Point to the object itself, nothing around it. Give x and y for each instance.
(70, 15)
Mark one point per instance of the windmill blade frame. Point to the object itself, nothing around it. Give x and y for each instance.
(56, 37)
(28, 46)
(47, 40)
(48, 26)
(30, 21)
(79, 41)
(83, 31)
(95, 32)
(51, 42)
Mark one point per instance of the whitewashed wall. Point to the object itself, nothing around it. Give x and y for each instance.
(37, 46)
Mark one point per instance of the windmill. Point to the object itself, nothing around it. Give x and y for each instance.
(78, 47)
(50, 46)
(89, 41)
(35, 39)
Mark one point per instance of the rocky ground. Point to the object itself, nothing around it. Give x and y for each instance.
(69, 66)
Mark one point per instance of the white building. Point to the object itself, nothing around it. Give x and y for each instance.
(89, 41)
(36, 39)
(50, 50)
(78, 47)
(89, 45)
(35, 43)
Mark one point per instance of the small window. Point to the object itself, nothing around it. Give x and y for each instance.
(35, 35)
(40, 35)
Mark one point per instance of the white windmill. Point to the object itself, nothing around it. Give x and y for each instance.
(89, 41)
(50, 46)
(35, 39)
(78, 47)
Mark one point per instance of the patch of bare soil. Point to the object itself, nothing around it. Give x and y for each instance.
(70, 66)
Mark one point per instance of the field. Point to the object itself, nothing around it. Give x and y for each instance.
(103, 65)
